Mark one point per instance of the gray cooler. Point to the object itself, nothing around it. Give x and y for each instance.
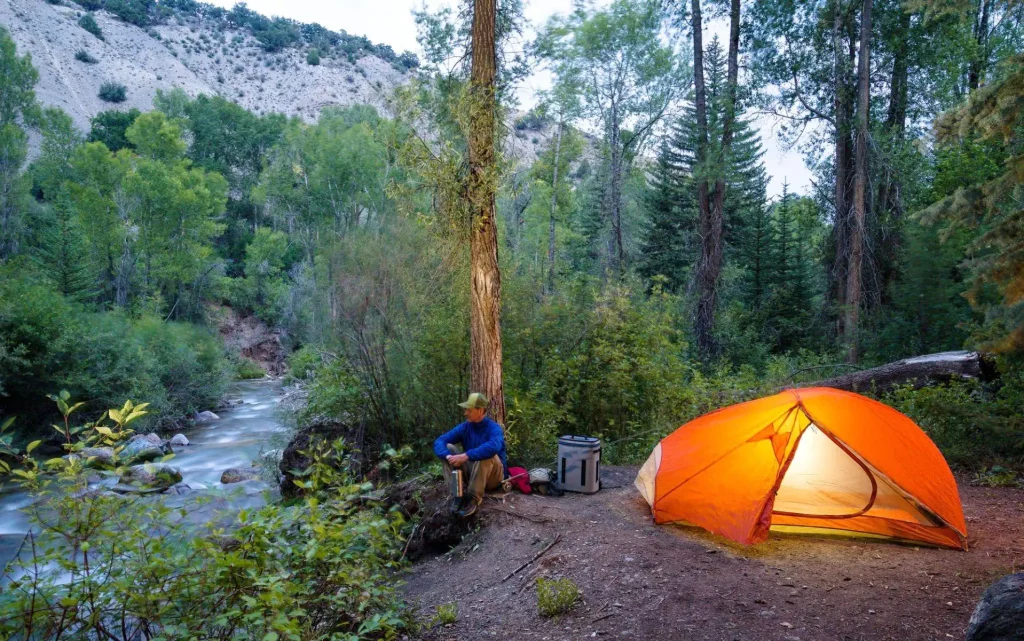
(579, 463)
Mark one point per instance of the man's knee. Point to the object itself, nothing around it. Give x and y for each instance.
(454, 449)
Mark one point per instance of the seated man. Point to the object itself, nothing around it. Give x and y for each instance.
(484, 462)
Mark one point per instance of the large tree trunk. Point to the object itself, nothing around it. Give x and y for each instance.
(917, 371)
(854, 286)
(709, 269)
(705, 285)
(616, 255)
(485, 277)
(889, 204)
(554, 207)
(841, 223)
(976, 68)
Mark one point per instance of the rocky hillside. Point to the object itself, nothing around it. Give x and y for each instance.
(200, 56)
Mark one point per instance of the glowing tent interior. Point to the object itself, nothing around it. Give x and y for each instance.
(812, 460)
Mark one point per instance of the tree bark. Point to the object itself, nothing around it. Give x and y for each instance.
(485, 277)
(854, 286)
(918, 371)
(703, 325)
(841, 223)
(617, 258)
(976, 68)
(554, 207)
(889, 201)
(710, 266)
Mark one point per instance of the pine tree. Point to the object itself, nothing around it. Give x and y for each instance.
(670, 246)
(62, 256)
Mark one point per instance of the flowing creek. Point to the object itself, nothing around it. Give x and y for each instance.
(243, 433)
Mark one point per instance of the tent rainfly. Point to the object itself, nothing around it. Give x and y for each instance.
(805, 460)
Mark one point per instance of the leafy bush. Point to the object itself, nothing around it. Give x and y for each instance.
(109, 127)
(136, 12)
(47, 344)
(446, 614)
(83, 56)
(88, 22)
(996, 476)
(319, 568)
(975, 427)
(313, 57)
(90, 5)
(246, 368)
(556, 596)
(113, 92)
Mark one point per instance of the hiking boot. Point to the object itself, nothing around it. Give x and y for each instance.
(455, 505)
(468, 508)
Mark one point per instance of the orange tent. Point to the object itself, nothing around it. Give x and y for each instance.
(815, 459)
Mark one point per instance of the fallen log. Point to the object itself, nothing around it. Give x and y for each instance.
(917, 371)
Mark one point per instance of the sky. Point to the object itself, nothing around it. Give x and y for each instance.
(390, 22)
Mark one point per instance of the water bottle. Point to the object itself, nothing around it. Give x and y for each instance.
(456, 480)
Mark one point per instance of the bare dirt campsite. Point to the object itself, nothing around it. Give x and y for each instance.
(638, 580)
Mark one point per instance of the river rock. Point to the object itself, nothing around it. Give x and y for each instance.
(205, 416)
(179, 440)
(101, 456)
(999, 615)
(139, 449)
(239, 474)
(148, 477)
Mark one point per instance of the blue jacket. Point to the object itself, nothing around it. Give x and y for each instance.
(480, 441)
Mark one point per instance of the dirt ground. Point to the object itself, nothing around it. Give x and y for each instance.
(642, 581)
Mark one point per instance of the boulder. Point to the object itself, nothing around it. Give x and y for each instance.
(140, 449)
(205, 416)
(147, 478)
(101, 456)
(179, 440)
(239, 474)
(1000, 612)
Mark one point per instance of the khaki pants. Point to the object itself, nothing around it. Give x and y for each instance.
(478, 476)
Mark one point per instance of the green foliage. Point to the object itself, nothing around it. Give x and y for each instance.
(996, 476)
(83, 56)
(136, 12)
(113, 92)
(319, 568)
(972, 425)
(17, 107)
(88, 22)
(556, 596)
(109, 127)
(446, 614)
(47, 343)
(246, 368)
(313, 57)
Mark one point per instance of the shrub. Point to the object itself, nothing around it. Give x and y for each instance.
(246, 368)
(556, 596)
(134, 12)
(313, 57)
(321, 567)
(113, 92)
(83, 56)
(88, 22)
(90, 5)
(109, 127)
(446, 614)
(47, 344)
(975, 427)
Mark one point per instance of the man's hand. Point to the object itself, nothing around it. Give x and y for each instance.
(456, 460)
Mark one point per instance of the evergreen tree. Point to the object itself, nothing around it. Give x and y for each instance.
(670, 246)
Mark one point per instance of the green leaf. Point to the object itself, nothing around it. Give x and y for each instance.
(105, 431)
(31, 446)
(6, 424)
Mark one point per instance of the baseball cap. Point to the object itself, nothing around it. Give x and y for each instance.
(476, 399)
